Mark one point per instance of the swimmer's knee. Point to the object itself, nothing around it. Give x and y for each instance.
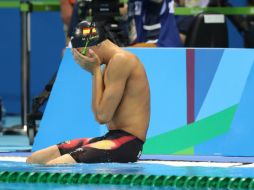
(30, 160)
(33, 159)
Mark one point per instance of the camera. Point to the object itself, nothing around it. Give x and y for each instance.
(100, 10)
(106, 14)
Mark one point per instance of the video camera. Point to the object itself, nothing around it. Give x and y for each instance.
(105, 13)
(100, 10)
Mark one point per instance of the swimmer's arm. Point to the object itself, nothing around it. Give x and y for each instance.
(106, 100)
(98, 88)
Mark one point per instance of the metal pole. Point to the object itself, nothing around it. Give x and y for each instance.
(25, 62)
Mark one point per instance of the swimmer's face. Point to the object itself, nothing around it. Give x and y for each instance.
(79, 49)
(83, 50)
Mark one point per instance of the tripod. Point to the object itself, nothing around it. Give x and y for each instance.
(36, 114)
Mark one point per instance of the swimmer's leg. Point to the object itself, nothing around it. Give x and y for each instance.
(64, 159)
(43, 156)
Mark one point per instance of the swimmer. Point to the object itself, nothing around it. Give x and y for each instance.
(120, 99)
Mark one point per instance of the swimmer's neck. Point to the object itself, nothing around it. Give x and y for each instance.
(106, 50)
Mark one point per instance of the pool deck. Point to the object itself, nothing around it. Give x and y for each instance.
(21, 157)
(16, 148)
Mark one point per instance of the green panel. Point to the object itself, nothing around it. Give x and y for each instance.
(46, 6)
(123, 1)
(222, 10)
(187, 151)
(190, 135)
(24, 7)
(9, 4)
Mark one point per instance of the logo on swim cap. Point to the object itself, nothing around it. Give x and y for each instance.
(85, 35)
(87, 31)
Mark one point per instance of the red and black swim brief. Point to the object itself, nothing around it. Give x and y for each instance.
(114, 146)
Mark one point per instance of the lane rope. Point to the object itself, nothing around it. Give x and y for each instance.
(128, 180)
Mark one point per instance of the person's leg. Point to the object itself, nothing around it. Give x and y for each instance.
(43, 156)
(73, 147)
(64, 159)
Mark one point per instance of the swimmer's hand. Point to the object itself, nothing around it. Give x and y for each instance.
(89, 61)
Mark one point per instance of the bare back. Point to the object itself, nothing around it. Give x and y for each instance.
(133, 111)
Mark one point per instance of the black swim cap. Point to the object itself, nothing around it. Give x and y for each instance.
(86, 35)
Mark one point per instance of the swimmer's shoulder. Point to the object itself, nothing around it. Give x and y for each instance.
(125, 62)
(126, 57)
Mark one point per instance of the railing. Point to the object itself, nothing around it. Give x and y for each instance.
(55, 6)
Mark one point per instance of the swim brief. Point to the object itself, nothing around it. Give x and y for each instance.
(114, 146)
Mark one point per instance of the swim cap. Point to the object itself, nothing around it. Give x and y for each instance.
(85, 35)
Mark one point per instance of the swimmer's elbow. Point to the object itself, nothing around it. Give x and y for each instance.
(103, 118)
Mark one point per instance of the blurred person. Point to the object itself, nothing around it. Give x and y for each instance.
(250, 2)
(238, 20)
(66, 10)
(152, 23)
(184, 22)
(120, 99)
(250, 18)
(169, 33)
(144, 17)
(249, 34)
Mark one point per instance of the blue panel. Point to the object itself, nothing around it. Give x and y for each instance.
(206, 63)
(166, 70)
(239, 140)
(226, 90)
(69, 115)
(10, 56)
(228, 82)
(47, 43)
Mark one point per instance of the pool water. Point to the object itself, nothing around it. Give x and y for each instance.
(131, 168)
(116, 168)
